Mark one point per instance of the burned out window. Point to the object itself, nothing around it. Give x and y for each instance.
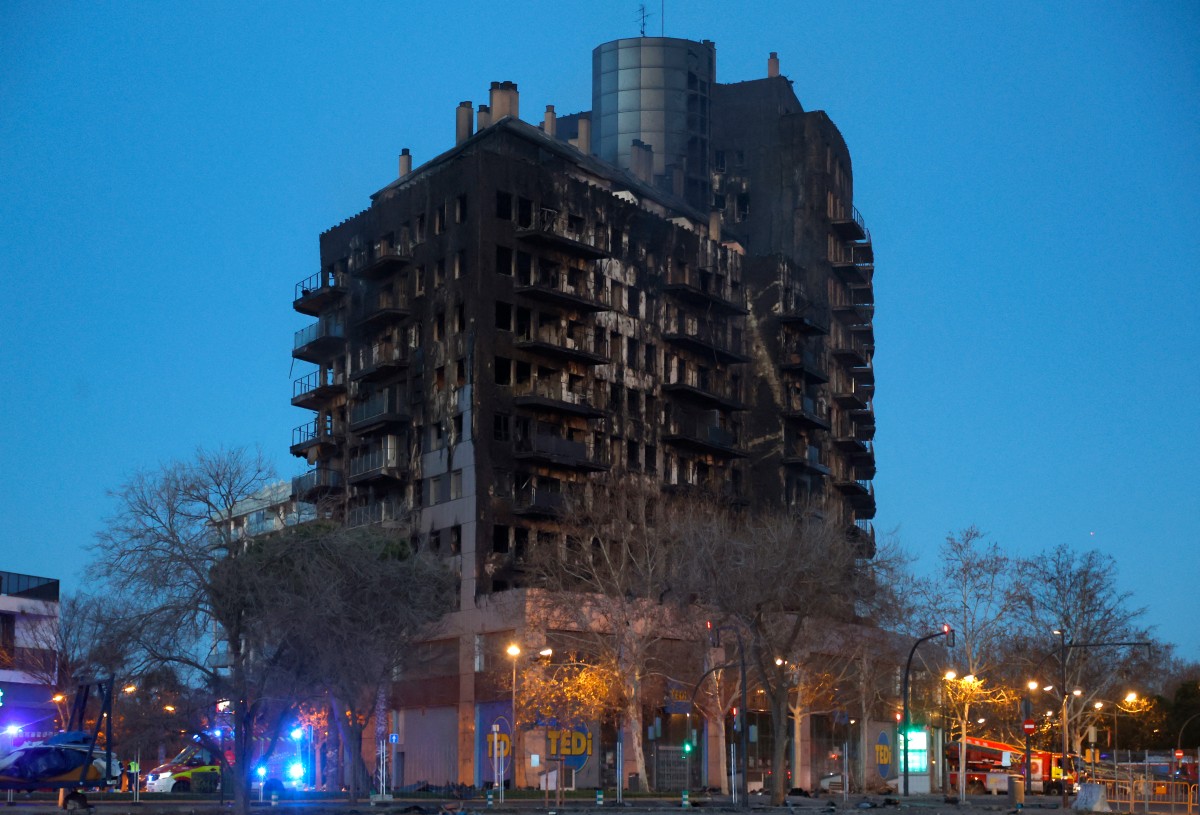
(504, 205)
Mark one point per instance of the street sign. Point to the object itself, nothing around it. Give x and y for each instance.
(1178, 755)
(1029, 726)
(393, 738)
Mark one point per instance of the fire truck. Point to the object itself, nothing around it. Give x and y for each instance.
(989, 763)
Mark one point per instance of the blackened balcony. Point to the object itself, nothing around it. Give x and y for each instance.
(804, 318)
(852, 228)
(378, 361)
(805, 362)
(316, 484)
(851, 351)
(854, 273)
(316, 293)
(377, 512)
(385, 461)
(578, 344)
(860, 492)
(852, 311)
(862, 537)
(847, 440)
(315, 436)
(703, 388)
(314, 390)
(805, 411)
(807, 459)
(387, 261)
(700, 287)
(319, 341)
(538, 503)
(697, 435)
(379, 410)
(379, 309)
(542, 448)
(552, 395)
(719, 341)
(565, 233)
(564, 289)
(852, 395)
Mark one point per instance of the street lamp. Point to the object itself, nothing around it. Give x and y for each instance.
(946, 632)
(513, 652)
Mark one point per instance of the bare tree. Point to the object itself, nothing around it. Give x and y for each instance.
(972, 593)
(172, 554)
(779, 579)
(1077, 593)
(609, 590)
(352, 603)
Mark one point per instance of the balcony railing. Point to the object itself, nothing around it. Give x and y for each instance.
(708, 389)
(538, 502)
(807, 457)
(312, 434)
(698, 435)
(577, 343)
(316, 483)
(316, 292)
(388, 460)
(799, 359)
(722, 341)
(553, 395)
(567, 234)
(377, 410)
(379, 308)
(376, 513)
(313, 389)
(703, 287)
(565, 288)
(807, 411)
(555, 451)
(386, 260)
(318, 341)
(378, 360)
(852, 228)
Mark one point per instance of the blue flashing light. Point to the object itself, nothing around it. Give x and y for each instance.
(298, 733)
(217, 733)
(262, 772)
(12, 729)
(295, 770)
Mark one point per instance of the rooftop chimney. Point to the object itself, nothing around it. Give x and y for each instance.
(484, 117)
(504, 100)
(405, 162)
(550, 123)
(463, 121)
(584, 140)
(773, 64)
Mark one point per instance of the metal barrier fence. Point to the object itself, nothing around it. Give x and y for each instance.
(1150, 795)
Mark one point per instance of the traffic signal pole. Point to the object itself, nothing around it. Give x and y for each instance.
(946, 632)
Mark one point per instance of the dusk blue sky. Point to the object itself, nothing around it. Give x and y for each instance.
(1029, 173)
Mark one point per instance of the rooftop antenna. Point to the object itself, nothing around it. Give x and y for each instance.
(642, 17)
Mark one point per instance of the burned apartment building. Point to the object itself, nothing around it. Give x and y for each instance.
(674, 284)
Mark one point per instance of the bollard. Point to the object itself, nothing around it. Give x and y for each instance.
(489, 797)
(274, 799)
(599, 797)
(685, 800)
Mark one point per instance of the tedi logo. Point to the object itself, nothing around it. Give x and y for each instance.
(883, 755)
(573, 746)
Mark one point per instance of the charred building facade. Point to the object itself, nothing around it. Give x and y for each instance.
(674, 284)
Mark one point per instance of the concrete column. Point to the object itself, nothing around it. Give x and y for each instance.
(714, 225)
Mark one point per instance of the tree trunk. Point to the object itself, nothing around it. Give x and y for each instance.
(717, 724)
(962, 755)
(779, 717)
(797, 727)
(633, 715)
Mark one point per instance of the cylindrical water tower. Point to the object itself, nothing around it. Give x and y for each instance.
(656, 90)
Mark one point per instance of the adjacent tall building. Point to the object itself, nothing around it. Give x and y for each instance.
(674, 284)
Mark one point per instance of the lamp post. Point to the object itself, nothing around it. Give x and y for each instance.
(513, 652)
(946, 632)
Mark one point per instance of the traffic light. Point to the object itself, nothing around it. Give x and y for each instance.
(949, 633)
(714, 634)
